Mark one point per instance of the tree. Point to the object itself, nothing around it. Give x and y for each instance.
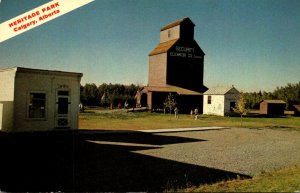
(240, 106)
(113, 94)
(289, 93)
(170, 103)
(90, 95)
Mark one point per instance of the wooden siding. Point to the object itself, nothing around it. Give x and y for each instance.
(157, 70)
(170, 34)
(272, 107)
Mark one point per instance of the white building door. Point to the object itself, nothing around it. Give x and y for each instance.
(63, 109)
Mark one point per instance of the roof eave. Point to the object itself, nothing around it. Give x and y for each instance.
(175, 23)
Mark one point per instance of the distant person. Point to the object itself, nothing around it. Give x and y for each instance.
(138, 97)
(119, 105)
(192, 113)
(126, 105)
(81, 107)
(176, 110)
(196, 113)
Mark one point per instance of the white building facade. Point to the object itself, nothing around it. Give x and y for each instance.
(220, 100)
(38, 100)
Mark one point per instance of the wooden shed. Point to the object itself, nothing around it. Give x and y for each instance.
(272, 107)
(296, 109)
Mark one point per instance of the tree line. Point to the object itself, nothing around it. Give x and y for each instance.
(289, 93)
(108, 95)
(115, 95)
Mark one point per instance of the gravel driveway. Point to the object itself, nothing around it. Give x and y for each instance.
(102, 161)
(240, 150)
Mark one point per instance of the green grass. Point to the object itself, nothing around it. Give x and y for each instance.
(120, 120)
(284, 180)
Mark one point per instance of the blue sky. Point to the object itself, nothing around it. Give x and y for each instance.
(252, 44)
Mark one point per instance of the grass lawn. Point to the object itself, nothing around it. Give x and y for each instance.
(284, 180)
(120, 120)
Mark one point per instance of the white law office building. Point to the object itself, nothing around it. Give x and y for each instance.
(38, 100)
(220, 100)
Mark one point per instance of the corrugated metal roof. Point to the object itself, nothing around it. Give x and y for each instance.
(175, 23)
(163, 47)
(170, 88)
(274, 101)
(219, 90)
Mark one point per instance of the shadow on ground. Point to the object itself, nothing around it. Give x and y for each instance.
(66, 161)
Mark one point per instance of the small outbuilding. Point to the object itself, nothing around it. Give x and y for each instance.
(220, 100)
(296, 110)
(38, 100)
(272, 107)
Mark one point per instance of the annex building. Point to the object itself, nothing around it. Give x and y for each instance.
(176, 66)
(272, 107)
(220, 100)
(38, 100)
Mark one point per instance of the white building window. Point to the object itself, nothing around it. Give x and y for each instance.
(37, 105)
(208, 99)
